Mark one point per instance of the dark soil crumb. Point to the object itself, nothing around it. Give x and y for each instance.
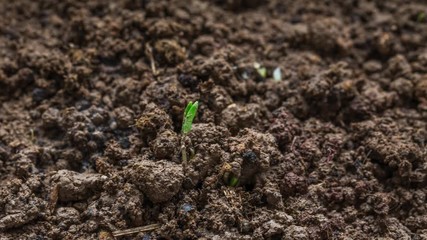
(160, 180)
(312, 121)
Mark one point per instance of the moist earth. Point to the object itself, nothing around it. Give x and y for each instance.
(311, 125)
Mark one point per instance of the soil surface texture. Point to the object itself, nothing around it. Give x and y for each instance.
(311, 122)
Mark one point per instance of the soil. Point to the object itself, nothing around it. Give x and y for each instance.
(92, 97)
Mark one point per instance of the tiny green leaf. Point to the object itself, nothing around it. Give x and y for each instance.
(188, 108)
(262, 72)
(233, 181)
(189, 114)
(421, 17)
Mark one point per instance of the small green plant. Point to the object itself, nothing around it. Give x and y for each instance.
(189, 114)
(228, 176)
(233, 181)
(262, 71)
(187, 123)
(421, 17)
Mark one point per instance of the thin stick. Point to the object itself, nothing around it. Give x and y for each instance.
(149, 52)
(135, 230)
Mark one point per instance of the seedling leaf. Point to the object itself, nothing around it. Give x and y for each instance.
(189, 114)
(262, 72)
(421, 17)
(233, 181)
(187, 108)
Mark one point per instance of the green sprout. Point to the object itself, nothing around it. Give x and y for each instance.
(187, 122)
(233, 181)
(189, 114)
(228, 176)
(262, 71)
(421, 17)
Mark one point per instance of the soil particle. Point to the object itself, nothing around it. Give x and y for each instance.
(189, 81)
(263, 147)
(216, 97)
(209, 134)
(273, 196)
(115, 152)
(126, 91)
(372, 66)
(204, 45)
(152, 120)
(293, 184)
(236, 117)
(164, 28)
(328, 35)
(403, 87)
(168, 95)
(125, 202)
(209, 143)
(296, 232)
(220, 70)
(20, 80)
(170, 51)
(237, 5)
(66, 216)
(398, 66)
(51, 118)
(124, 117)
(166, 145)
(92, 95)
(18, 204)
(160, 180)
(398, 156)
(421, 91)
(285, 127)
(396, 230)
(74, 186)
(271, 229)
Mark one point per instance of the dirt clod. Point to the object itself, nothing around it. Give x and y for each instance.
(74, 186)
(92, 95)
(160, 180)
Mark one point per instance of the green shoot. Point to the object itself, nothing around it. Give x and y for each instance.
(262, 71)
(233, 181)
(421, 17)
(189, 114)
(187, 122)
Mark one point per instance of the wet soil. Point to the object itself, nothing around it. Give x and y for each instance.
(92, 95)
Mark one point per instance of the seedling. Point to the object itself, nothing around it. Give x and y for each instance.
(421, 17)
(189, 114)
(187, 123)
(233, 181)
(227, 175)
(262, 71)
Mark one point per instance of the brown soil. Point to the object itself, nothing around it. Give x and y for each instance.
(92, 95)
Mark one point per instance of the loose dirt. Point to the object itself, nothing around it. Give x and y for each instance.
(92, 95)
